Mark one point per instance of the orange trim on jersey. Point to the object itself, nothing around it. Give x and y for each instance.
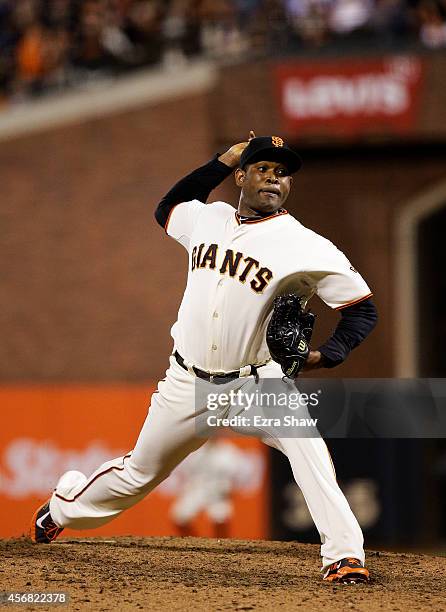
(361, 299)
(114, 467)
(254, 220)
(168, 218)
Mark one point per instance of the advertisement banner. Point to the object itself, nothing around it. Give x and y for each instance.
(350, 97)
(220, 490)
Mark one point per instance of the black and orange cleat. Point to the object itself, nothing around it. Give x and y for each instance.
(347, 571)
(43, 529)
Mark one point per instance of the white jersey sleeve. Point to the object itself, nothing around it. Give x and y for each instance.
(182, 220)
(336, 281)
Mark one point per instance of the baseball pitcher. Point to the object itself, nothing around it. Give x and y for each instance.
(251, 272)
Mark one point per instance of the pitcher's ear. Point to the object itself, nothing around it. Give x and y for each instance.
(239, 177)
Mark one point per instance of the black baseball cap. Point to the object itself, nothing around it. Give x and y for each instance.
(270, 148)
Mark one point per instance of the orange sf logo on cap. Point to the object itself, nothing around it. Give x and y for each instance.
(277, 141)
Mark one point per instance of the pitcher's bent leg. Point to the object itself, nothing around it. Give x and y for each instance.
(166, 438)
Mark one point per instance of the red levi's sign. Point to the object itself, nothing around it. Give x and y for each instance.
(350, 97)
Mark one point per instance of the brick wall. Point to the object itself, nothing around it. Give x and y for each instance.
(90, 284)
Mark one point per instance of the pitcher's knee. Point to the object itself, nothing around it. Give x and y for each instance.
(144, 480)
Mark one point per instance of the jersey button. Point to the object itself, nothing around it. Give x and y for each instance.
(215, 315)
(214, 347)
(220, 282)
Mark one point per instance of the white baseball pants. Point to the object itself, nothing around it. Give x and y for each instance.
(169, 434)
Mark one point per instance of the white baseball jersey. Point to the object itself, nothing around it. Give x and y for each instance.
(236, 269)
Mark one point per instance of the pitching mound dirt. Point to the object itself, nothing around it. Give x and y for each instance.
(200, 574)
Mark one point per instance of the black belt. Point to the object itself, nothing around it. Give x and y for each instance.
(218, 379)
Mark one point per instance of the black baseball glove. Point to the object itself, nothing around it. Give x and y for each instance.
(289, 333)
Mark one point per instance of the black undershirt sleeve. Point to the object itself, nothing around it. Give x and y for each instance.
(195, 186)
(356, 323)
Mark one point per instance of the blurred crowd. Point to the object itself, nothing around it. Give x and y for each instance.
(51, 44)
